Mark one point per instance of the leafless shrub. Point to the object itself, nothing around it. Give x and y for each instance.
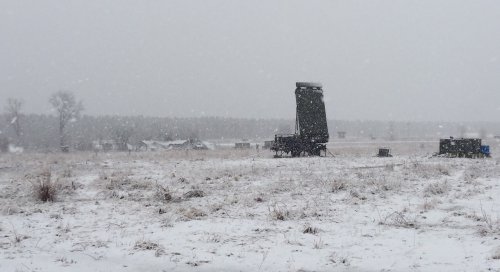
(389, 167)
(496, 254)
(10, 210)
(121, 173)
(231, 199)
(67, 187)
(67, 173)
(103, 175)
(163, 194)
(192, 213)
(115, 195)
(383, 184)
(116, 180)
(428, 170)
(141, 185)
(280, 187)
(64, 228)
(356, 194)
(399, 219)
(55, 216)
(443, 170)
(148, 245)
(215, 207)
(429, 204)
(294, 242)
(214, 238)
(65, 261)
(279, 212)
(168, 221)
(437, 188)
(471, 174)
(337, 259)
(338, 185)
(194, 193)
(196, 263)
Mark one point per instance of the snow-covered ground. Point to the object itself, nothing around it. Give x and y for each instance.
(228, 210)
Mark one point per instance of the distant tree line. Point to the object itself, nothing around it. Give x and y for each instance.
(67, 128)
(41, 132)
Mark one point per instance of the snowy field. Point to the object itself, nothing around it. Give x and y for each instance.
(230, 210)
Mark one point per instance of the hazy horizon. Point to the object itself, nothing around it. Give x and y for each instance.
(377, 60)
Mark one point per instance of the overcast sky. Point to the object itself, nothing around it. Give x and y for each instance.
(386, 60)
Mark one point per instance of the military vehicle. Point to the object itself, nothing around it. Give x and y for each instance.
(384, 152)
(463, 148)
(311, 129)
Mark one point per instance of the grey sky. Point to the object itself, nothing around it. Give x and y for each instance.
(388, 60)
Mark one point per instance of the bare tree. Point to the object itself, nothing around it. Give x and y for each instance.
(391, 131)
(68, 109)
(121, 136)
(462, 130)
(13, 113)
(4, 144)
(483, 134)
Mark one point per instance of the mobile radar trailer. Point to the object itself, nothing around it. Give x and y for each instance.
(311, 129)
(463, 148)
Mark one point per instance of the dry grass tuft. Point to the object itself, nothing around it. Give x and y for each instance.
(311, 230)
(193, 213)
(496, 254)
(194, 193)
(336, 259)
(67, 173)
(428, 171)
(319, 244)
(437, 188)
(44, 188)
(163, 194)
(429, 204)
(471, 174)
(279, 212)
(148, 245)
(338, 185)
(490, 226)
(356, 194)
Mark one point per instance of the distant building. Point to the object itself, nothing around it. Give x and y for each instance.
(111, 145)
(341, 134)
(105, 145)
(243, 145)
(268, 144)
(171, 145)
